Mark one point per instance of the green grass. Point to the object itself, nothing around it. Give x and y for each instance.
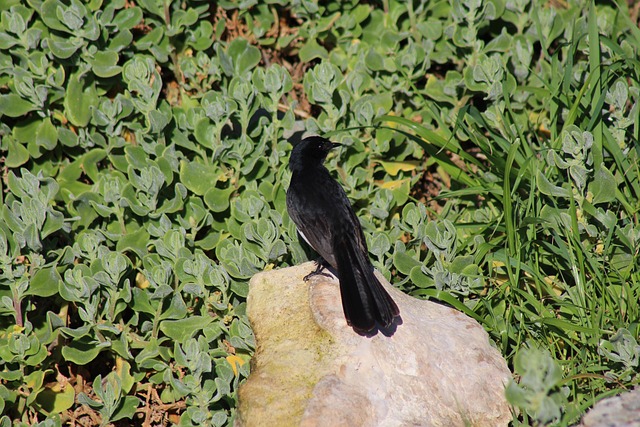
(562, 268)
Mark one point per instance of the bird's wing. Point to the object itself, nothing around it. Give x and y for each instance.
(305, 207)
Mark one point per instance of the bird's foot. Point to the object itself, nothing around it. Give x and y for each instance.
(321, 264)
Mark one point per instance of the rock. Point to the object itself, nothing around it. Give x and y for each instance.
(616, 411)
(310, 369)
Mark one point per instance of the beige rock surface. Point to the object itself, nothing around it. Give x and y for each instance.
(616, 411)
(311, 369)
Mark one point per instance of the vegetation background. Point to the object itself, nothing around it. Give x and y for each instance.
(491, 152)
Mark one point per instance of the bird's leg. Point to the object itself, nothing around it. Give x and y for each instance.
(321, 264)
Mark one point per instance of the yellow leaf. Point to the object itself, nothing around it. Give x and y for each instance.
(235, 361)
(56, 399)
(555, 284)
(123, 371)
(431, 82)
(141, 281)
(599, 248)
(497, 264)
(393, 168)
(392, 185)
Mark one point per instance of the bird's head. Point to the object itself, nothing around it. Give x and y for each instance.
(310, 151)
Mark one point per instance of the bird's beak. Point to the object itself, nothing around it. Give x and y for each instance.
(336, 145)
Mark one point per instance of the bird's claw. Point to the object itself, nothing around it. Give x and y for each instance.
(320, 266)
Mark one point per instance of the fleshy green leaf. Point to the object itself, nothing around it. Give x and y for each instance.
(13, 105)
(603, 186)
(80, 351)
(105, 64)
(81, 97)
(57, 398)
(197, 178)
(17, 154)
(312, 50)
(44, 283)
(47, 135)
(217, 199)
(183, 329)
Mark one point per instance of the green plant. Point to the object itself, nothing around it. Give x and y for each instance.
(144, 153)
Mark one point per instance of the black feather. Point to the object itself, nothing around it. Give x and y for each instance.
(319, 207)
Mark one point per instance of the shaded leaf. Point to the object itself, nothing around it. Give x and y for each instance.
(57, 398)
(13, 105)
(603, 186)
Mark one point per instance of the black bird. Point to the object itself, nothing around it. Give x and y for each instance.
(319, 207)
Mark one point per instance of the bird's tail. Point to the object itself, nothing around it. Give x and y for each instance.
(364, 299)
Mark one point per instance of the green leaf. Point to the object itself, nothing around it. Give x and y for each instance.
(240, 288)
(47, 135)
(7, 41)
(197, 177)
(48, 11)
(90, 162)
(126, 408)
(26, 130)
(141, 301)
(13, 105)
(128, 18)
(56, 399)
(546, 187)
(404, 263)
(421, 280)
(80, 351)
(81, 97)
(182, 18)
(210, 241)
(67, 137)
(136, 157)
(604, 186)
(11, 376)
(245, 56)
(462, 265)
(44, 283)
(399, 188)
(183, 329)
(17, 154)
(63, 48)
(34, 381)
(539, 375)
(78, 332)
(123, 370)
(312, 50)
(157, 120)
(621, 348)
(177, 309)
(374, 61)
(37, 358)
(136, 242)
(217, 199)
(53, 223)
(105, 64)
(120, 41)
